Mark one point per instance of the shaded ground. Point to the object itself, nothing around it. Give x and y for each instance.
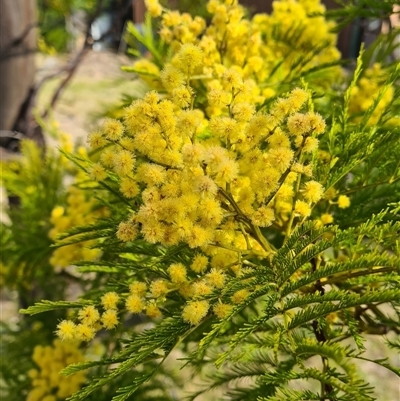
(97, 86)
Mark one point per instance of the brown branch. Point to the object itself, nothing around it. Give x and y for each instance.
(16, 42)
(19, 53)
(73, 65)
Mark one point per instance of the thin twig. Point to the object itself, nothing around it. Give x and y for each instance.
(7, 52)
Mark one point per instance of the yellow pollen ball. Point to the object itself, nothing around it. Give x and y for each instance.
(190, 56)
(302, 208)
(243, 111)
(127, 231)
(66, 330)
(201, 289)
(85, 332)
(113, 129)
(96, 140)
(153, 7)
(195, 311)
(218, 98)
(199, 264)
(231, 79)
(216, 278)
(343, 201)
(129, 188)
(263, 217)
(110, 300)
(186, 290)
(89, 315)
(171, 77)
(280, 158)
(205, 186)
(199, 236)
(107, 158)
(313, 191)
(138, 288)
(240, 296)
(109, 319)
(316, 122)
(297, 98)
(182, 96)
(123, 162)
(326, 218)
(152, 310)
(158, 288)
(97, 172)
(222, 310)
(177, 272)
(311, 144)
(298, 124)
(134, 304)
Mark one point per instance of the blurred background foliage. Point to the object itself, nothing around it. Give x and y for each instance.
(54, 16)
(38, 184)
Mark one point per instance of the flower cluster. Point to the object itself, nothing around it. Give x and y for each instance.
(208, 174)
(47, 383)
(90, 321)
(364, 94)
(295, 28)
(208, 182)
(262, 50)
(79, 211)
(233, 220)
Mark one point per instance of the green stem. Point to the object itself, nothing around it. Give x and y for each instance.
(292, 213)
(261, 239)
(283, 176)
(297, 189)
(248, 245)
(255, 231)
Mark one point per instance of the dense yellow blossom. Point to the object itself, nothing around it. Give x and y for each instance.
(153, 7)
(159, 288)
(191, 185)
(152, 310)
(47, 382)
(80, 210)
(203, 162)
(313, 191)
(240, 53)
(364, 94)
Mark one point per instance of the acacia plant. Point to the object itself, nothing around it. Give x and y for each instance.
(253, 223)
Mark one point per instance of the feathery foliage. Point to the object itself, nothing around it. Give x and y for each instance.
(236, 233)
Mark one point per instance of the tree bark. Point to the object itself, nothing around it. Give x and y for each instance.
(17, 58)
(139, 11)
